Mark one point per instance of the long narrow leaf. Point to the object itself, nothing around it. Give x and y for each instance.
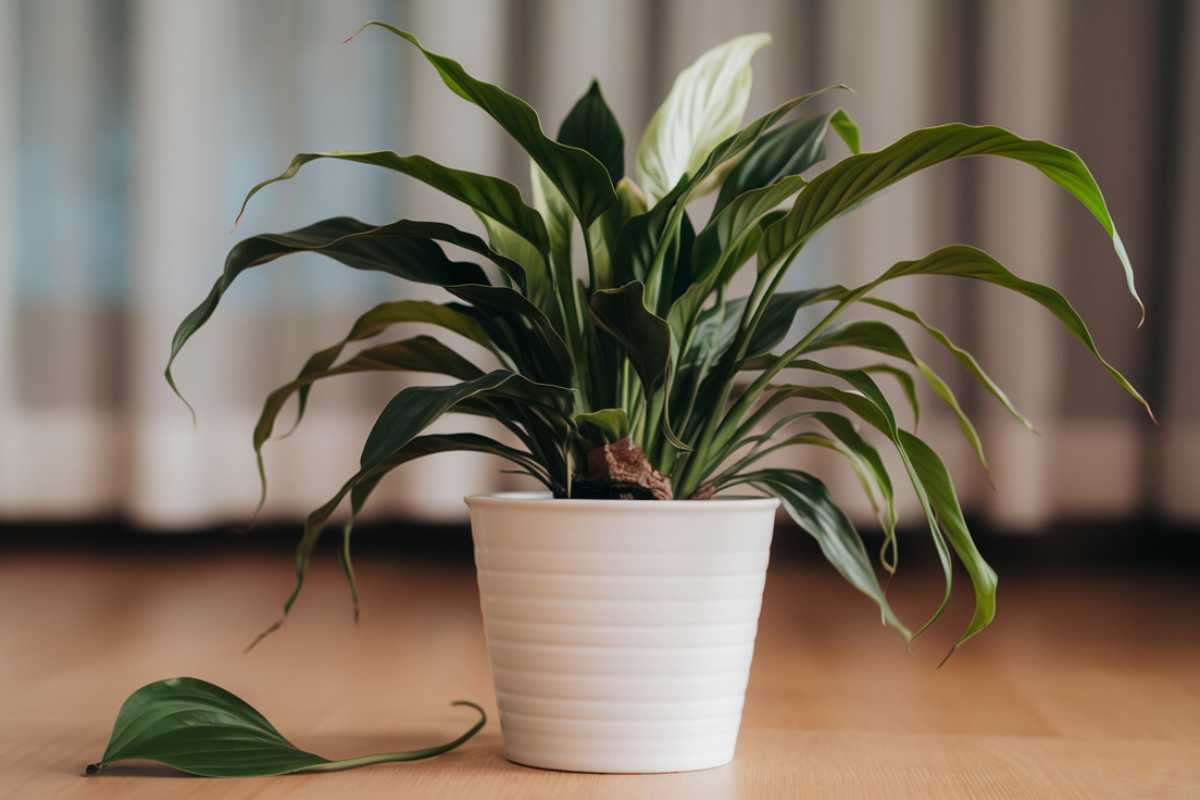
(583, 180)
(851, 181)
(808, 502)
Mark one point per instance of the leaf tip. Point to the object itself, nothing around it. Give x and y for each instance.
(274, 626)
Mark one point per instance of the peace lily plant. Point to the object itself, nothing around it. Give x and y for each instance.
(622, 368)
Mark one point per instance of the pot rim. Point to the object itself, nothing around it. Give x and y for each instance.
(541, 500)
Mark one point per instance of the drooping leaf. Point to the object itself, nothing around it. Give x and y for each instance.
(381, 318)
(863, 457)
(704, 106)
(945, 504)
(415, 407)
(493, 197)
(423, 411)
(908, 385)
(591, 126)
(849, 182)
(964, 357)
(883, 338)
(970, 262)
(583, 180)
(201, 729)
(418, 354)
(869, 403)
(807, 501)
(404, 249)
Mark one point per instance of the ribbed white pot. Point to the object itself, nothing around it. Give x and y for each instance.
(620, 632)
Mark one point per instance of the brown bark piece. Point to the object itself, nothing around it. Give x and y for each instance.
(624, 467)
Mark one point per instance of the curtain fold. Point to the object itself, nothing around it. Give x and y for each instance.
(130, 129)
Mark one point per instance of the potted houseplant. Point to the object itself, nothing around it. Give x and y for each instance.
(621, 604)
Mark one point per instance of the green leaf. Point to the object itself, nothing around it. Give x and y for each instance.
(863, 458)
(381, 318)
(882, 338)
(807, 501)
(704, 106)
(604, 236)
(551, 361)
(719, 241)
(847, 129)
(415, 407)
(556, 213)
(493, 197)
(644, 243)
(583, 180)
(404, 249)
(201, 729)
(849, 182)
(964, 357)
(532, 276)
(418, 354)
(645, 337)
(779, 315)
(869, 403)
(937, 482)
(406, 415)
(788, 150)
(907, 385)
(970, 262)
(604, 426)
(591, 126)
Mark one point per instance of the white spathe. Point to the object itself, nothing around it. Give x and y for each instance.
(620, 632)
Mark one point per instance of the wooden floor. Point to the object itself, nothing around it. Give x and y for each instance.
(1088, 686)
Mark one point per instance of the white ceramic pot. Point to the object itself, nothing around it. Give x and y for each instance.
(620, 632)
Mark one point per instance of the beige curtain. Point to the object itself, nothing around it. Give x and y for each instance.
(129, 130)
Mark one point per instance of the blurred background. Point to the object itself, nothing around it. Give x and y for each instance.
(131, 129)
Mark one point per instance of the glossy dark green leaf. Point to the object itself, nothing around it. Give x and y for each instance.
(424, 409)
(551, 361)
(381, 318)
(404, 249)
(849, 182)
(790, 149)
(807, 501)
(493, 197)
(201, 729)
(583, 180)
(869, 403)
(418, 354)
(591, 126)
(645, 337)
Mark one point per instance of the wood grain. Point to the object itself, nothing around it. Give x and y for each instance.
(1087, 686)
